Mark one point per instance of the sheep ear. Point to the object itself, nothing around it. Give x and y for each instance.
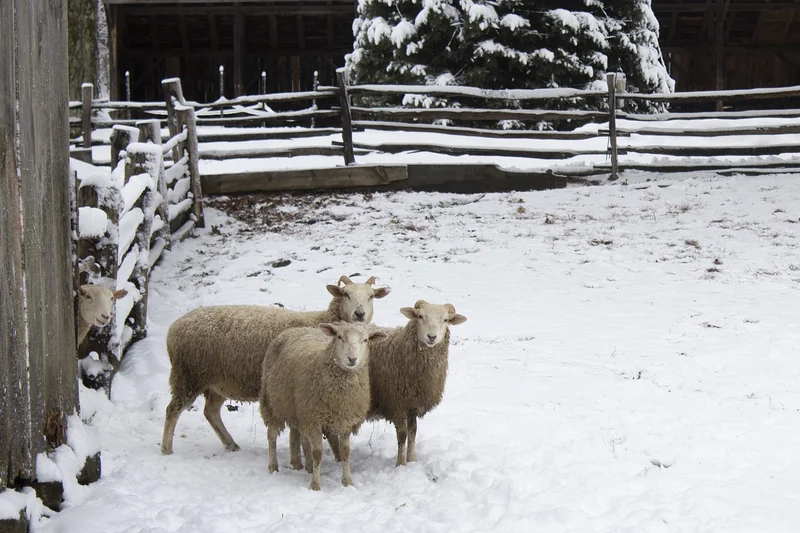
(334, 290)
(122, 293)
(409, 312)
(382, 291)
(328, 330)
(378, 336)
(457, 319)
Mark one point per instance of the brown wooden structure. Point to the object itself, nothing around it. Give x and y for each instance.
(730, 44)
(190, 39)
(37, 329)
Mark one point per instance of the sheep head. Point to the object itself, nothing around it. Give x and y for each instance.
(96, 303)
(351, 343)
(356, 298)
(432, 321)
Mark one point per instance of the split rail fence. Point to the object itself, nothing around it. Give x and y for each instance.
(332, 112)
(124, 223)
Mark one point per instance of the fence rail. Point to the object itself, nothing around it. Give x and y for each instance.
(352, 109)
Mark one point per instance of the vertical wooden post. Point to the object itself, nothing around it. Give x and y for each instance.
(173, 94)
(347, 124)
(239, 50)
(612, 125)
(314, 101)
(719, 34)
(187, 120)
(150, 131)
(86, 113)
(121, 137)
(127, 85)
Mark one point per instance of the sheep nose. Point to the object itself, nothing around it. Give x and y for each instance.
(105, 317)
(431, 338)
(359, 314)
(352, 360)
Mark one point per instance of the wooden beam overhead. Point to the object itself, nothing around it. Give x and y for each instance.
(166, 53)
(211, 3)
(781, 5)
(257, 10)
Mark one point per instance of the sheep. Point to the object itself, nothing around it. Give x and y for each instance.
(316, 380)
(407, 372)
(217, 351)
(95, 305)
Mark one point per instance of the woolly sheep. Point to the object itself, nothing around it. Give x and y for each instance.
(218, 350)
(316, 380)
(95, 305)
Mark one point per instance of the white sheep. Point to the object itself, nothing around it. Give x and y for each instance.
(95, 305)
(407, 373)
(316, 380)
(217, 351)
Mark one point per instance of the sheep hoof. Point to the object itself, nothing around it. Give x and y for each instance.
(166, 451)
(347, 482)
(400, 462)
(314, 485)
(232, 447)
(297, 465)
(273, 468)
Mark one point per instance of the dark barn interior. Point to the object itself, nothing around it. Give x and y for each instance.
(730, 44)
(707, 44)
(288, 40)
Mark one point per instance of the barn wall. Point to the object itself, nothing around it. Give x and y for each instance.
(37, 325)
(694, 69)
(82, 57)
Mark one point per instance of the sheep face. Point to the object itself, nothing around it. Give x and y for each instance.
(356, 299)
(351, 344)
(432, 321)
(96, 303)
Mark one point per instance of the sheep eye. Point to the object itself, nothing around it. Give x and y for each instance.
(347, 296)
(446, 320)
(365, 340)
(340, 338)
(89, 297)
(371, 297)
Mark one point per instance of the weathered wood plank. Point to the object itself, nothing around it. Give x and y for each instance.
(712, 132)
(186, 120)
(257, 153)
(296, 180)
(86, 114)
(475, 132)
(475, 92)
(173, 94)
(44, 166)
(392, 148)
(380, 113)
(15, 445)
(612, 125)
(263, 134)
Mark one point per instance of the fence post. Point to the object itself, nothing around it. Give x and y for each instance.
(121, 137)
(141, 161)
(86, 113)
(187, 119)
(173, 94)
(128, 91)
(619, 87)
(347, 124)
(314, 101)
(221, 88)
(150, 131)
(612, 124)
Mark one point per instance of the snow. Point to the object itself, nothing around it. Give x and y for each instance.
(134, 189)
(13, 502)
(175, 210)
(179, 190)
(46, 470)
(402, 33)
(128, 225)
(628, 364)
(92, 222)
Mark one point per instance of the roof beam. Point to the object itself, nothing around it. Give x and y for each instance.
(257, 10)
(781, 5)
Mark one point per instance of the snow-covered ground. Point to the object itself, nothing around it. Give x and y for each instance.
(629, 364)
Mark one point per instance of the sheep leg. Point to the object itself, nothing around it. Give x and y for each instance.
(177, 406)
(401, 426)
(307, 453)
(294, 447)
(212, 409)
(345, 451)
(272, 438)
(333, 442)
(315, 439)
(412, 438)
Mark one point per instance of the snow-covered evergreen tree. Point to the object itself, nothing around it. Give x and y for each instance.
(632, 31)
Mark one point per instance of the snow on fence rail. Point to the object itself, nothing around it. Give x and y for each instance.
(127, 219)
(254, 111)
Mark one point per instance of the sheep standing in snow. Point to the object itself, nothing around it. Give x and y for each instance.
(316, 380)
(407, 372)
(217, 351)
(95, 305)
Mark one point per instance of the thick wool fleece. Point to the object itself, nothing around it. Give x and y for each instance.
(406, 376)
(303, 387)
(221, 348)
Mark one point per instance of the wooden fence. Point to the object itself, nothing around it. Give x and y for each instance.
(345, 119)
(124, 223)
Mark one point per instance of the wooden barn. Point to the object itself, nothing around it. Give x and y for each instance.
(190, 39)
(730, 44)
